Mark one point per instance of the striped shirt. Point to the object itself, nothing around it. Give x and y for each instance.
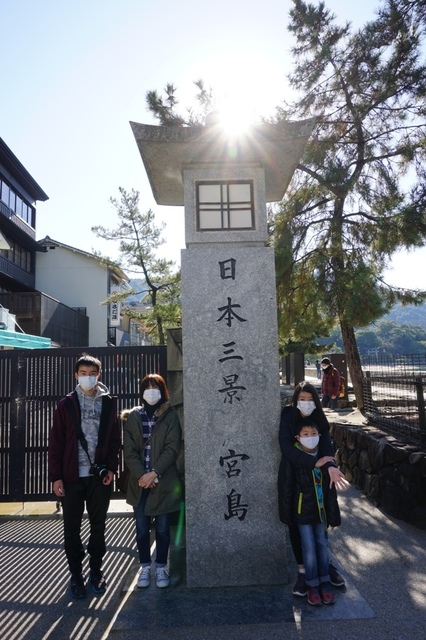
(147, 427)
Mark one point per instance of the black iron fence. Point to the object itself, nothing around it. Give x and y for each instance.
(394, 393)
(31, 383)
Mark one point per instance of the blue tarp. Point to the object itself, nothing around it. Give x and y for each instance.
(23, 340)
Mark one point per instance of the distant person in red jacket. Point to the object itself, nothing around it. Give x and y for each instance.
(330, 384)
(83, 457)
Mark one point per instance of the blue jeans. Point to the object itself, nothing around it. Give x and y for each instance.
(316, 557)
(143, 537)
(326, 400)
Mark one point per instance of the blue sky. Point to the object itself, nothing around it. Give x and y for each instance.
(75, 73)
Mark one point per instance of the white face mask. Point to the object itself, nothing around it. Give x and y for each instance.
(306, 407)
(87, 382)
(309, 442)
(152, 396)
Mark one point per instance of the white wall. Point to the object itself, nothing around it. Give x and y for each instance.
(77, 281)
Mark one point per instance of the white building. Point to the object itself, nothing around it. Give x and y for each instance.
(81, 281)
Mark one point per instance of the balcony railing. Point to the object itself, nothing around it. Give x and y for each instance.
(12, 270)
(6, 211)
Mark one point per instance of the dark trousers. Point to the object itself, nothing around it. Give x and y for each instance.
(296, 542)
(143, 528)
(96, 496)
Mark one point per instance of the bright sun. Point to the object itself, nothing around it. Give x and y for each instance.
(247, 85)
(235, 117)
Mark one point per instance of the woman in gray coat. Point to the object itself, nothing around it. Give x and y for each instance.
(152, 440)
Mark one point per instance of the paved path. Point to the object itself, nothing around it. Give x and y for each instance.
(382, 559)
(34, 599)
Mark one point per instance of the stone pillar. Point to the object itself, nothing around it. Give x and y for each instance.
(297, 368)
(231, 395)
(231, 404)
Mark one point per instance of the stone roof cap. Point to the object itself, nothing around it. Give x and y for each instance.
(167, 151)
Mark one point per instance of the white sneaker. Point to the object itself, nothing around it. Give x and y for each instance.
(162, 577)
(144, 577)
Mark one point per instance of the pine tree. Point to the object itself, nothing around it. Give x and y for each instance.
(164, 108)
(359, 193)
(139, 237)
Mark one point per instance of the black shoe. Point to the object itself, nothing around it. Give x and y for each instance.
(98, 582)
(300, 588)
(335, 578)
(77, 586)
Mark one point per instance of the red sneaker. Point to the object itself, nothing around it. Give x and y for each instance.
(314, 596)
(327, 596)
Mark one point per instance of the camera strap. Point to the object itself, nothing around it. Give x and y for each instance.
(77, 422)
(107, 402)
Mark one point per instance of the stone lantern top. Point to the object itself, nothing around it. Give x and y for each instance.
(167, 151)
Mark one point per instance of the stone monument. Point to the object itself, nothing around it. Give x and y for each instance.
(230, 347)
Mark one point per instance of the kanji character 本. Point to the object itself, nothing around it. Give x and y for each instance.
(232, 461)
(229, 314)
(235, 508)
(227, 269)
(232, 389)
(228, 352)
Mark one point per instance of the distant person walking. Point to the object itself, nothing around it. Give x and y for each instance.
(83, 457)
(318, 366)
(330, 384)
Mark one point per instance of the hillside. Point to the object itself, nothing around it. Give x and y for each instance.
(407, 315)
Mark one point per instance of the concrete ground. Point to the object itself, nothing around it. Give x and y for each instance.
(383, 561)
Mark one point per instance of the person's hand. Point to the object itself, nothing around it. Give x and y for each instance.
(147, 481)
(58, 488)
(338, 479)
(109, 478)
(322, 461)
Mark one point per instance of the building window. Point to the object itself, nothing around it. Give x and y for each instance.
(112, 336)
(5, 191)
(22, 209)
(224, 205)
(19, 256)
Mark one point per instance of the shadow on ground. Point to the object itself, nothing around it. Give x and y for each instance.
(34, 599)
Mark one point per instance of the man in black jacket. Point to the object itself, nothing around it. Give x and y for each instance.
(83, 457)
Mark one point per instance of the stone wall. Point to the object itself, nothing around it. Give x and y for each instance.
(390, 472)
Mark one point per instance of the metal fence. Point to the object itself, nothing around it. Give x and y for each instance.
(31, 383)
(394, 393)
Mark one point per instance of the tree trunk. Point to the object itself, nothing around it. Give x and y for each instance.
(160, 330)
(354, 363)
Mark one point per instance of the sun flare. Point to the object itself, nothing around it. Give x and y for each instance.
(247, 86)
(235, 118)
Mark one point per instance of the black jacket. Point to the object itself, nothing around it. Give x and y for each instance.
(297, 496)
(63, 442)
